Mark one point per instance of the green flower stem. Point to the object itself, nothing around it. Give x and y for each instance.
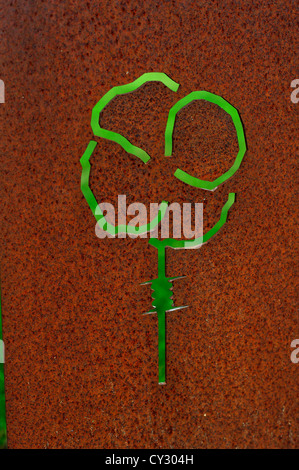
(161, 286)
(162, 345)
(162, 303)
(161, 319)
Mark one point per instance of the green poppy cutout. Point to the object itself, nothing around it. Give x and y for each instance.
(162, 285)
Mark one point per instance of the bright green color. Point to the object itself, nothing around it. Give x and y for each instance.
(197, 242)
(95, 209)
(122, 90)
(161, 286)
(3, 439)
(162, 303)
(205, 95)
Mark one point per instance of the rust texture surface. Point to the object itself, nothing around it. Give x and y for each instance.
(81, 360)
